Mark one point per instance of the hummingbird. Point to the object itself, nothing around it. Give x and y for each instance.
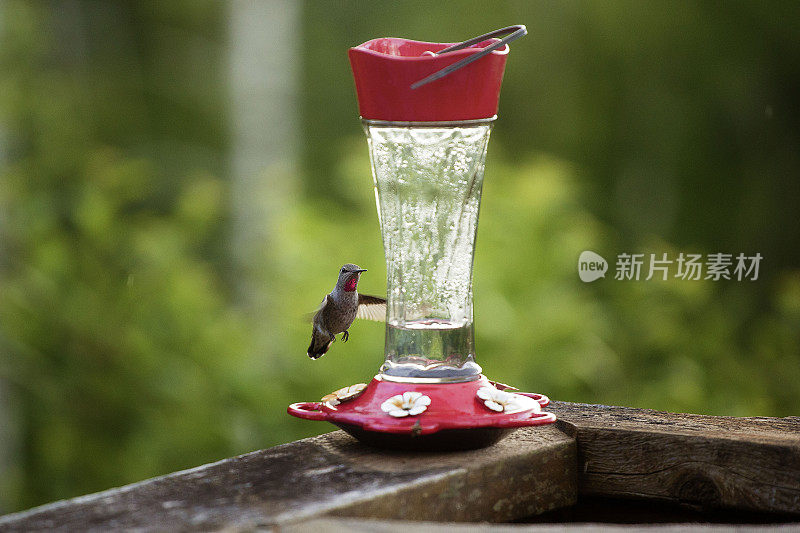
(340, 308)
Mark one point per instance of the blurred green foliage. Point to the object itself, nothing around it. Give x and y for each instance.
(125, 351)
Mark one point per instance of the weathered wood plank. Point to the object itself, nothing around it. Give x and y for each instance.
(709, 461)
(531, 471)
(748, 463)
(351, 525)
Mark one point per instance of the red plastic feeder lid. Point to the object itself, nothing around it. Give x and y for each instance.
(385, 70)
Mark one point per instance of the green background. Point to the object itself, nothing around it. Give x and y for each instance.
(130, 346)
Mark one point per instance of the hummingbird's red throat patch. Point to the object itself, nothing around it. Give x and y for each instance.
(350, 286)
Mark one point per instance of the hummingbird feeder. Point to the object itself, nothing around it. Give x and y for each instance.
(427, 110)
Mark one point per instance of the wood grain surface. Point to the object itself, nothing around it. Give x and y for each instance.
(705, 461)
(529, 472)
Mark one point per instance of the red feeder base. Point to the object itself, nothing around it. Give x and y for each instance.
(432, 417)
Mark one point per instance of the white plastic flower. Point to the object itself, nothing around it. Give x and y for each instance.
(409, 403)
(507, 402)
(344, 394)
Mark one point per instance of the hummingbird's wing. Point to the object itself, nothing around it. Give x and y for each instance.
(371, 308)
(321, 338)
(309, 317)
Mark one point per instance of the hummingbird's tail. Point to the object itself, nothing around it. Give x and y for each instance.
(319, 345)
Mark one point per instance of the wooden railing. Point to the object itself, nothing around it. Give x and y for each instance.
(705, 462)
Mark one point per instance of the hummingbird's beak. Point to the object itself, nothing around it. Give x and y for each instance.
(360, 270)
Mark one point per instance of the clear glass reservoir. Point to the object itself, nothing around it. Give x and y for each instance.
(428, 178)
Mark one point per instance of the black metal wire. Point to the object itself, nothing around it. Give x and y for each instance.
(515, 33)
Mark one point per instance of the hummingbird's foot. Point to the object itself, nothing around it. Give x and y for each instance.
(345, 336)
